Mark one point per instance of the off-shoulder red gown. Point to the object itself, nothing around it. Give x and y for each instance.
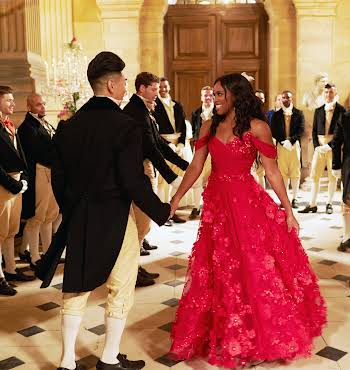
(250, 293)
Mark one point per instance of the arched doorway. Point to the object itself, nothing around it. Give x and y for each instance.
(203, 42)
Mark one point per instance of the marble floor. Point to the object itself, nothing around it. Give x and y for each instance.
(30, 321)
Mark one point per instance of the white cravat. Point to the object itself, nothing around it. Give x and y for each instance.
(330, 106)
(288, 111)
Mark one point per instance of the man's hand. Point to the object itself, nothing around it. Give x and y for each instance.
(287, 145)
(336, 173)
(24, 186)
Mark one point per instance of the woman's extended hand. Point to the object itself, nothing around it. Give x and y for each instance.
(292, 223)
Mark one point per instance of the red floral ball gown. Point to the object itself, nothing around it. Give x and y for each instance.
(250, 293)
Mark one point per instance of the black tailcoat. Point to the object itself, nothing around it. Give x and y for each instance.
(165, 127)
(319, 124)
(11, 160)
(38, 148)
(97, 173)
(341, 142)
(297, 126)
(155, 148)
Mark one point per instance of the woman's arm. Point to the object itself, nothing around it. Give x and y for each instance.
(194, 169)
(262, 132)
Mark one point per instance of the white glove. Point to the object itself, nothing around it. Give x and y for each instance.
(287, 145)
(24, 186)
(336, 173)
(176, 183)
(180, 149)
(325, 148)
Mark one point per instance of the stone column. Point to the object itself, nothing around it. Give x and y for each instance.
(151, 37)
(121, 33)
(315, 53)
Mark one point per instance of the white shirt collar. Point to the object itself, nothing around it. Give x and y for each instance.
(118, 102)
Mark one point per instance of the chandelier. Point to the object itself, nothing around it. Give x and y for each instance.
(66, 79)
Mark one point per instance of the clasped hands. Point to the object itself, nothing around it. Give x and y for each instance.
(323, 149)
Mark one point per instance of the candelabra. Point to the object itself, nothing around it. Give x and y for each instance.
(66, 80)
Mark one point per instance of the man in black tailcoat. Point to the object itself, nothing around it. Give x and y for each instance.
(98, 172)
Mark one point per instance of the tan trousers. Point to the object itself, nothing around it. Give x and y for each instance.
(10, 212)
(319, 163)
(289, 161)
(10, 216)
(46, 208)
(46, 211)
(120, 284)
(143, 222)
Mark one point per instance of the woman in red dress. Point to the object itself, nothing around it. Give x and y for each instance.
(250, 294)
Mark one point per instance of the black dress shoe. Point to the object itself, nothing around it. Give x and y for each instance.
(329, 209)
(178, 220)
(148, 275)
(143, 252)
(78, 367)
(344, 246)
(146, 245)
(295, 203)
(25, 256)
(309, 209)
(194, 214)
(18, 276)
(6, 289)
(139, 364)
(142, 281)
(102, 366)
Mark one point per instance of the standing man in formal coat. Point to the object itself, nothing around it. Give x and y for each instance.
(200, 115)
(170, 117)
(325, 122)
(13, 183)
(40, 208)
(341, 168)
(155, 148)
(98, 172)
(287, 127)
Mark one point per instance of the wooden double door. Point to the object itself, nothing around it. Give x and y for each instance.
(203, 42)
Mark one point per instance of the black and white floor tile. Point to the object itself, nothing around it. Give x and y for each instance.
(30, 336)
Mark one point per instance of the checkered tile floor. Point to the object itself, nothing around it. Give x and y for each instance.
(30, 321)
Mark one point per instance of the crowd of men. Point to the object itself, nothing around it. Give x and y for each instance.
(26, 156)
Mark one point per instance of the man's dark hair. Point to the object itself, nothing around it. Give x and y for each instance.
(103, 64)
(259, 91)
(146, 79)
(163, 79)
(5, 90)
(329, 85)
(287, 92)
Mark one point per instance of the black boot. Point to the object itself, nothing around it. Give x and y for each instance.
(309, 209)
(295, 203)
(143, 252)
(25, 256)
(148, 275)
(329, 209)
(178, 220)
(18, 276)
(6, 288)
(119, 366)
(344, 246)
(139, 364)
(194, 214)
(142, 281)
(146, 245)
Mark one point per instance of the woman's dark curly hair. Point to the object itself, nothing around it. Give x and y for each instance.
(246, 105)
